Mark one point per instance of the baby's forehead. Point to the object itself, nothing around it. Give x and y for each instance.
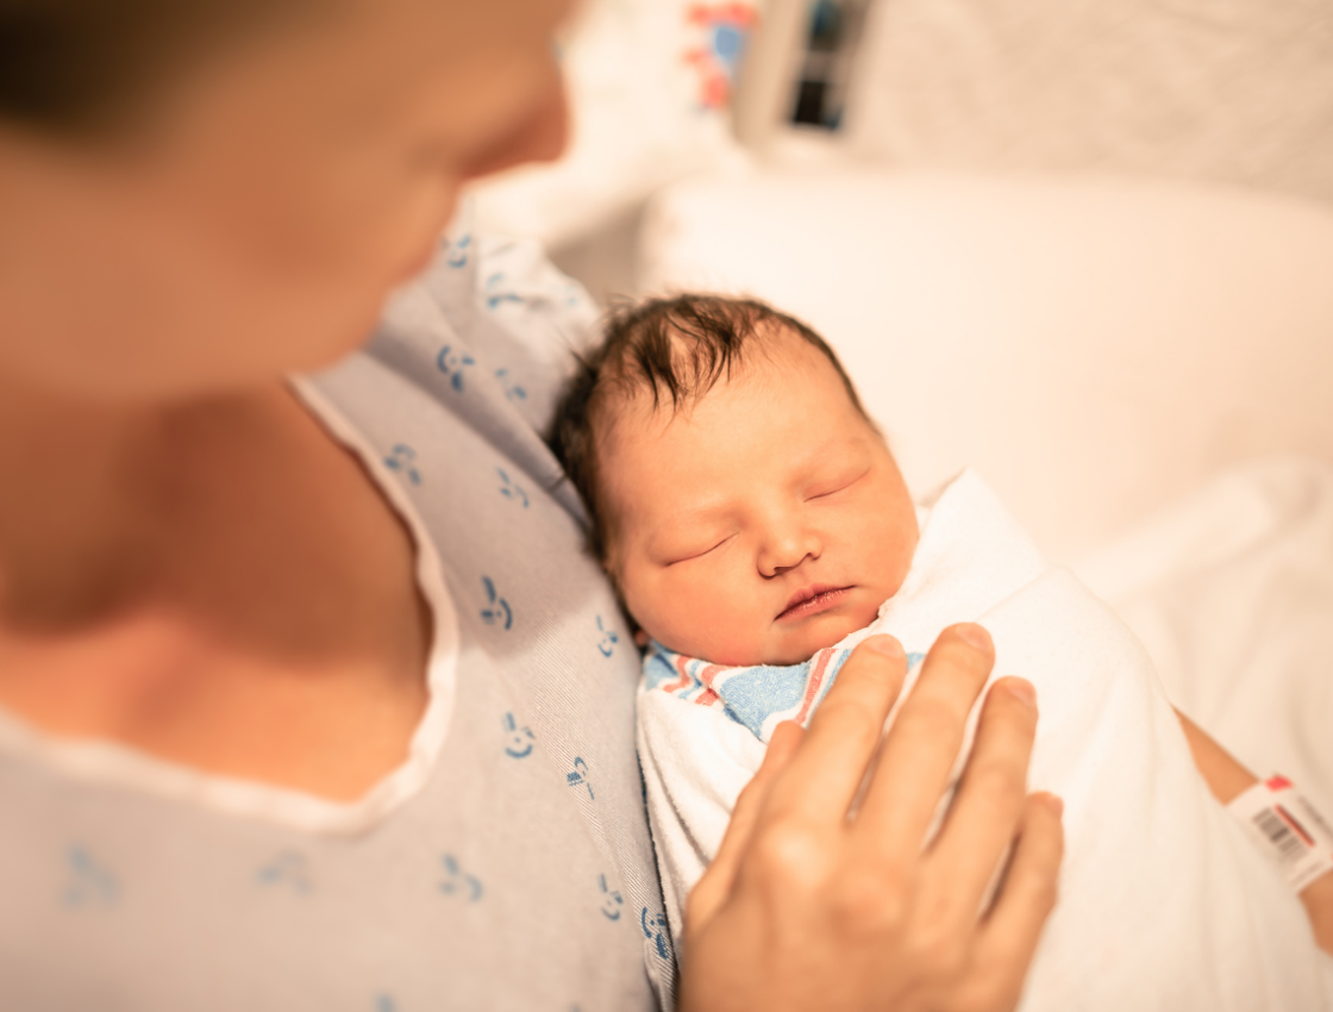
(780, 380)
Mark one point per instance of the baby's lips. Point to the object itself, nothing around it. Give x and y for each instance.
(808, 594)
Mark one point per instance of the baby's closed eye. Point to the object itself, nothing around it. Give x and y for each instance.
(697, 551)
(839, 482)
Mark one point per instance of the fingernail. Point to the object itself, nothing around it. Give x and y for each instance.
(1053, 802)
(1021, 689)
(974, 635)
(886, 645)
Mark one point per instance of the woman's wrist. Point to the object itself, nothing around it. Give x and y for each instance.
(1227, 779)
(1317, 898)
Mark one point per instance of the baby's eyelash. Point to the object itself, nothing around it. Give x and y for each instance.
(699, 555)
(821, 495)
(843, 486)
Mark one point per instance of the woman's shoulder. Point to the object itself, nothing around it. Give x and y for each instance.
(493, 314)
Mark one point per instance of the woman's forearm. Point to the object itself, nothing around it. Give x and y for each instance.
(1221, 771)
(1227, 779)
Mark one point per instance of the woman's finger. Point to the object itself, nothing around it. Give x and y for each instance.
(991, 799)
(827, 772)
(1008, 936)
(913, 768)
(714, 887)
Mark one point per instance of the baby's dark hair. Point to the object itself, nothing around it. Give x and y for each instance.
(679, 346)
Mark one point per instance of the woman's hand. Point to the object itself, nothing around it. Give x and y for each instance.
(805, 908)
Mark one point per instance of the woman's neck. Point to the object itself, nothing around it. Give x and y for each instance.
(85, 506)
(218, 583)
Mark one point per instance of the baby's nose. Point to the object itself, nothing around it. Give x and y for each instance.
(786, 550)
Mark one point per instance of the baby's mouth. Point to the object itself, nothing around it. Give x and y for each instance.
(812, 600)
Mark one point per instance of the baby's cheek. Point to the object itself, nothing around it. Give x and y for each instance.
(699, 617)
(665, 606)
(867, 610)
(892, 557)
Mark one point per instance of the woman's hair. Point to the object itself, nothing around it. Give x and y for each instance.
(676, 348)
(84, 67)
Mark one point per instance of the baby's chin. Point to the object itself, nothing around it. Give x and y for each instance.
(796, 646)
(775, 645)
(790, 647)
(799, 644)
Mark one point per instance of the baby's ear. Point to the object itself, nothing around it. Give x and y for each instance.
(640, 638)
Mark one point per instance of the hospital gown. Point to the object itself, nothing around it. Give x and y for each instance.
(507, 864)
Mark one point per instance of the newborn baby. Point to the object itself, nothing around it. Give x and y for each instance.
(756, 527)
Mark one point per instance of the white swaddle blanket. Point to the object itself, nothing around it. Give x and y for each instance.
(1164, 904)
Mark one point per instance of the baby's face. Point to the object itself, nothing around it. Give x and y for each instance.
(761, 523)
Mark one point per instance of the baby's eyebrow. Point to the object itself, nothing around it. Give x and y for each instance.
(833, 454)
(684, 524)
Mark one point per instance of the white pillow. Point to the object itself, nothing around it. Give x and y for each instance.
(1094, 349)
(650, 86)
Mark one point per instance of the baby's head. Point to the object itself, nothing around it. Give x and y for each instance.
(746, 508)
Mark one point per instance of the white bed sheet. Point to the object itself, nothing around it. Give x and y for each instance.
(1231, 591)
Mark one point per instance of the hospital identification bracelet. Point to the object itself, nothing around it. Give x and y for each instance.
(1287, 827)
